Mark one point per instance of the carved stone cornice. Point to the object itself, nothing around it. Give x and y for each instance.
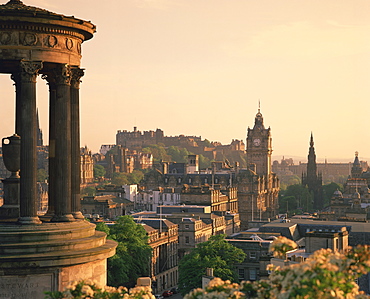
(28, 71)
(63, 74)
(77, 74)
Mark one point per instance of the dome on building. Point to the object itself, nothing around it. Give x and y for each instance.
(337, 194)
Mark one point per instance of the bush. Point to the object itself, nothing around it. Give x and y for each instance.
(323, 275)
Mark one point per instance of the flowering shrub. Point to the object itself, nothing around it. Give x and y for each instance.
(323, 275)
(91, 290)
(281, 245)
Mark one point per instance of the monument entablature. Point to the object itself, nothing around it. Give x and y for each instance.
(32, 33)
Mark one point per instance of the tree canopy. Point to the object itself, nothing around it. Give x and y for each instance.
(99, 171)
(215, 253)
(295, 199)
(133, 253)
(123, 178)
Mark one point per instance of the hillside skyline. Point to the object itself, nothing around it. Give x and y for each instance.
(201, 67)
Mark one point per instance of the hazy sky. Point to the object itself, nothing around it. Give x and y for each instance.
(199, 67)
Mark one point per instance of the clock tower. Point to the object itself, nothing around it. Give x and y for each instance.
(259, 146)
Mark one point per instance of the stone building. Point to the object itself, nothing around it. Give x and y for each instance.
(105, 206)
(258, 187)
(217, 200)
(353, 204)
(196, 223)
(149, 200)
(163, 238)
(192, 231)
(87, 166)
(256, 248)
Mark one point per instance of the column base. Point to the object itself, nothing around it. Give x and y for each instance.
(29, 220)
(63, 218)
(78, 215)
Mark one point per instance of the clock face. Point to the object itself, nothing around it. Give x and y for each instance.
(257, 142)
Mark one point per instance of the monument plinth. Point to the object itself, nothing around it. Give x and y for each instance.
(40, 254)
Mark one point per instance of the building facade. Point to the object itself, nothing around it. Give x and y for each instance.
(258, 187)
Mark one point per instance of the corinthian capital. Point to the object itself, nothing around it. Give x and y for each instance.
(63, 74)
(77, 73)
(28, 71)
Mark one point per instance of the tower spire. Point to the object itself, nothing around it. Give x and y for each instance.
(311, 140)
(312, 179)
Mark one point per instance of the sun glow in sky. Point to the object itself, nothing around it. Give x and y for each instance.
(199, 67)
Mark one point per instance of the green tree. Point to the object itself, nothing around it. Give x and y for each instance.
(133, 252)
(216, 253)
(204, 162)
(287, 180)
(42, 175)
(99, 171)
(120, 178)
(158, 151)
(101, 226)
(136, 176)
(298, 194)
(178, 154)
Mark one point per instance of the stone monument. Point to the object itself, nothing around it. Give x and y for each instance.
(45, 253)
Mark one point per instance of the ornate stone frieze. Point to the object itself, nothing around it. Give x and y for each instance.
(40, 29)
(5, 38)
(29, 39)
(51, 41)
(70, 44)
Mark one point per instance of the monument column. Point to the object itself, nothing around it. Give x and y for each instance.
(26, 125)
(51, 188)
(62, 199)
(77, 73)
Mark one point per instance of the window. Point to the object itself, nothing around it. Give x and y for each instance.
(253, 255)
(241, 274)
(186, 226)
(187, 240)
(252, 274)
